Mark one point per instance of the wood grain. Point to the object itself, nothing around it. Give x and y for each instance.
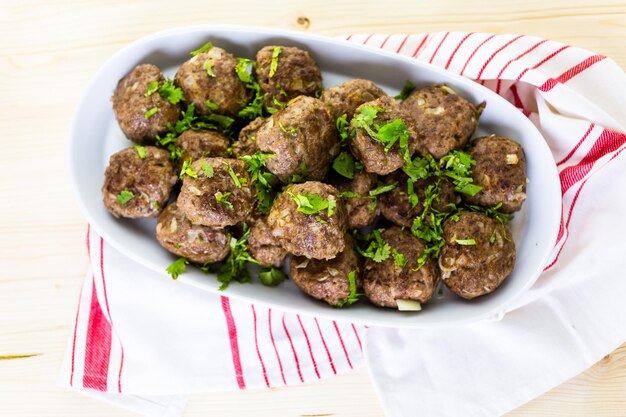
(49, 51)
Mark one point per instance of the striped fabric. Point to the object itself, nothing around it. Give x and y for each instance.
(229, 344)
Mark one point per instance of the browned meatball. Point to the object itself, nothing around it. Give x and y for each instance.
(295, 73)
(303, 137)
(477, 255)
(138, 187)
(246, 143)
(199, 244)
(387, 282)
(327, 280)
(396, 206)
(443, 119)
(501, 172)
(200, 143)
(263, 245)
(223, 87)
(217, 200)
(370, 152)
(315, 235)
(132, 108)
(345, 98)
(361, 210)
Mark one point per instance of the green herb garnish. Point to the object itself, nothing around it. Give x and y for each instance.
(272, 277)
(344, 164)
(222, 198)
(233, 174)
(465, 242)
(378, 250)
(353, 297)
(210, 105)
(406, 91)
(202, 49)
(141, 151)
(381, 189)
(398, 258)
(314, 203)
(274, 64)
(186, 170)
(209, 69)
(125, 196)
(151, 112)
(343, 127)
(177, 267)
(207, 169)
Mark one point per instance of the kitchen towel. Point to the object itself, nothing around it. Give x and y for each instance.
(144, 342)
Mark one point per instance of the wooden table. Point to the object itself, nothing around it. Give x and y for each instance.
(51, 48)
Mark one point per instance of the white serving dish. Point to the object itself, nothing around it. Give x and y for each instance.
(95, 136)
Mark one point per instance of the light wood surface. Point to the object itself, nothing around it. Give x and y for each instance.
(49, 49)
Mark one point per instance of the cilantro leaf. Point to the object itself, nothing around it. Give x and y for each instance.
(210, 105)
(242, 69)
(233, 174)
(406, 91)
(350, 194)
(274, 64)
(125, 196)
(313, 203)
(261, 178)
(381, 189)
(465, 242)
(343, 127)
(177, 267)
(234, 266)
(222, 198)
(202, 49)
(209, 69)
(272, 277)
(186, 170)
(141, 151)
(378, 250)
(457, 165)
(170, 92)
(353, 297)
(151, 112)
(418, 169)
(344, 164)
(398, 258)
(152, 88)
(207, 169)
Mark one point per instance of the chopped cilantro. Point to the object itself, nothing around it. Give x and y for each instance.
(406, 90)
(207, 169)
(465, 242)
(170, 92)
(344, 164)
(353, 297)
(457, 165)
(386, 133)
(410, 191)
(378, 250)
(314, 203)
(242, 69)
(381, 189)
(350, 194)
(202, 49)
(222, 198)
(253, 109)
(343, 127)
(125, 196)
(284, 129)
(153, 86)
(272, 277)
(223, 121)
(234, 266)
(418, 169)
(156, 205)
(210, 105)
(274, 64)
(177, 267)
(186, 170)
(233, 174)
(209, 69)
(261, 178)
(151, 112)
(141, 151)
(364, 118)
(398, 258)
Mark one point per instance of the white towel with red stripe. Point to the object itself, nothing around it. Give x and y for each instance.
(144, 343)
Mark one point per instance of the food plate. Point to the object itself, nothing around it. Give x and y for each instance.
(95, 135)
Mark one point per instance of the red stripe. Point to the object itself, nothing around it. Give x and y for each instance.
(330, 358)
(258, 351)
(97, 346)
(308, 344)
(608, 142)
(280, 363)
(293, 349)
(358, 339)
(349, 37)
(438, 46)
(571, 73)
(402, 44)
(569, 155)
(526, 52)
(234, 344)
(87, 239)
(543, 61)
(106, 301)
(457, 48)
(419, 47)
(518, 100)
(343, 346)
(474, 52)
(493, 55)
(382, 45)
(367, 39)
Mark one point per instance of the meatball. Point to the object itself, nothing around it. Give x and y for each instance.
(289, 74)
(396, 206)
(345, 98)
(370, 152)
(361, 210)
(137, 187)
(327, 280)
(443, 119)
(263, 245)
(133, 109)
(501, 172)
(210, 77)
(303, 137)
(200, 143)
(317, 235)
(220, 196)
(199, 244)
(388, 281)
(246, 142)
(478, 255)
